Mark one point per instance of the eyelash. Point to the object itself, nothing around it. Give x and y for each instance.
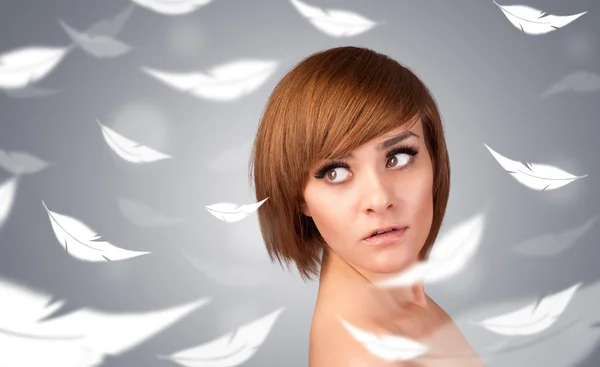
(321, 172)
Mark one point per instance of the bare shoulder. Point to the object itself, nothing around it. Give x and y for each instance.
(331, 345)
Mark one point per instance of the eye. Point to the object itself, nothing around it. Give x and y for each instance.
(395, 160)
(409, 153)
(333, 174)
(332, 171)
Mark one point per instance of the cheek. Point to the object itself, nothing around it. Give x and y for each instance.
(330, 217)
(427, 201)
(420, 199)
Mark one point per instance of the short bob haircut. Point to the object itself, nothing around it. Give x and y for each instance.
(329, 104)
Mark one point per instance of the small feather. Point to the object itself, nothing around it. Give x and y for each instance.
(533, 318)
(8, 190)
(21, 162)
(533, 21)
(387, 347)
(334, 22)
(229, 350)
(229, 212)
(224, 83)
(179, 7)
(540, 177)
(128, 149)
(22, 67)
(81, 242)
(449, 255)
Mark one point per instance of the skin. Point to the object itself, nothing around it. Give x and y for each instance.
(376, 192)
(373, 194)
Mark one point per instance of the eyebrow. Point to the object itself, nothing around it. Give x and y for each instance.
(388, 143)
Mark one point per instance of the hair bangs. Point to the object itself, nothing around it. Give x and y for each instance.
(359, 104)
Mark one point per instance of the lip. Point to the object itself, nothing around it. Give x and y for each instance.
(386, 238)
(383, 228)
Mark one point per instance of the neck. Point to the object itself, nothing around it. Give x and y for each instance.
(352, 293)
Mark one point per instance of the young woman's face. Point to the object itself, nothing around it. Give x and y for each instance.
(374, 188)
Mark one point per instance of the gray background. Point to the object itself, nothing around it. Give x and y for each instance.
(486, 75)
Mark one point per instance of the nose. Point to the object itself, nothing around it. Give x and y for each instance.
(377, 192)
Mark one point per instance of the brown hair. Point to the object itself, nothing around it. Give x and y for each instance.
(328, 105)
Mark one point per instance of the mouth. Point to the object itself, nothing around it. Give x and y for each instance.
(385, 236)
(381, 231)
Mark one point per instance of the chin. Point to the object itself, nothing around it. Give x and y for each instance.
(386, 264)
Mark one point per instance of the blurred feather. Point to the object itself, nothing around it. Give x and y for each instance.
(229, 350)
(29, 92)
(22, 67)
(334, 22)
(144, 216)
(82, 242)
(230, 160)
(569, 348)
(540, 177)
(578, 81)
(534, 21)
(98, 46)
(553, 243)
(77, 339)
(112, 26)
(8, 190)
(223, 83)
(533, 318)
(21, 163)
(169, 7)
(27, 350)
(228, 275)
(570, 340)
(387, 347)
(449, 255)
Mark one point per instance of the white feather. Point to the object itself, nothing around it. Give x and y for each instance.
(230, 212)
(386, 347)
(22, 67)
(76, 339)
(172, 7)
(225, 82)
(8, 190)
(81, 242)
(116, 333)
(449, 255)
(540, 177)
(229, 350)
(23, 350)
(533, 318)
(128, 149)
(333, 22)
(534, 21)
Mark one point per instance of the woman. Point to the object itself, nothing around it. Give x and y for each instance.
(351, 143)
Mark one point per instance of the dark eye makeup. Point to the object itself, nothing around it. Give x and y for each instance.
(412, 151)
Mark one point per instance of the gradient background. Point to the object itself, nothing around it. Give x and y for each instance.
(487, 76)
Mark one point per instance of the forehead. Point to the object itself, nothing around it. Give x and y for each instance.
(414, 126)
(408, 131)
